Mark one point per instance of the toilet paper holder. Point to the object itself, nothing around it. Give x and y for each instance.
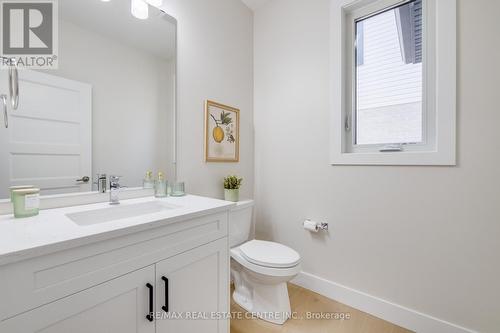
(320, 225)
(323, 226)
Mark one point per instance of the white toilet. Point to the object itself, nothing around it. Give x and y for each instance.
(260, 269)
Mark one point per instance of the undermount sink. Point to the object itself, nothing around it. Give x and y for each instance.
(114, 213)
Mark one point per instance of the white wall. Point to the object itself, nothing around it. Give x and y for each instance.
(215, 61)
(132, 102)
(423, 237)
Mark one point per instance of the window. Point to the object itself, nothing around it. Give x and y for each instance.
(387, 69)
(388, 87)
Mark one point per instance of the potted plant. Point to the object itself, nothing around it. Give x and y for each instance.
(232, 188)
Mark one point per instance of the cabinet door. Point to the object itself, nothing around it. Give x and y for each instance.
(119, 305)
(198, 290)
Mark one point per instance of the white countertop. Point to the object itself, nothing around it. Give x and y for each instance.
(52, 230)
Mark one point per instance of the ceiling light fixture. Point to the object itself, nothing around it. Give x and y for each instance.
(155, 3)
(139, 8)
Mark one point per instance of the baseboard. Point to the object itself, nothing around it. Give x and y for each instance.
(394, 313)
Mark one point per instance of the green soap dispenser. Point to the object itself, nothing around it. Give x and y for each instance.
(161, 186)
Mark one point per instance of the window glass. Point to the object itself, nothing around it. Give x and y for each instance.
(388, 81)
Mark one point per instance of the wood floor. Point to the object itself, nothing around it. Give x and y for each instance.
(303, 301)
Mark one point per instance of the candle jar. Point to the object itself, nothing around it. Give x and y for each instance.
(20, 187)
(178, 189)
(26, 202)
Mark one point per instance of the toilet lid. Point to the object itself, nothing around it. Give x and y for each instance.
(269, 254)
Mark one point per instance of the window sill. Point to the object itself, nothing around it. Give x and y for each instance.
(395, 158)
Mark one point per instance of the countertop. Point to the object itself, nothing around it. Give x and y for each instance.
(53, 231)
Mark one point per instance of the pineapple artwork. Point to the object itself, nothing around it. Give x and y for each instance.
(221, 133)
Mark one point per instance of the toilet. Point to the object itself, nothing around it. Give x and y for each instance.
(260, 270)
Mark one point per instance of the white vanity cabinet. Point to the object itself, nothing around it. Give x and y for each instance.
(119, 305)
(194, 286)
(178, 272)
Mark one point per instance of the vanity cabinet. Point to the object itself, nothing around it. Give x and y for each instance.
(191, 285)
(119, 305)
(179, 273)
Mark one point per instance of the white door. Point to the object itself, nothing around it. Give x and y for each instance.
(191, 286)
(48, 142)
(120, 305)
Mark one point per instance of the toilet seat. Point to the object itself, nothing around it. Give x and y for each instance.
(269, 271)
(269, 254)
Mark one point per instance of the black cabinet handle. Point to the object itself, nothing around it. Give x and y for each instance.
(149, 316)
(165, 307)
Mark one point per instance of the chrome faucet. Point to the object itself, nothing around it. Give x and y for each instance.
(114, 190)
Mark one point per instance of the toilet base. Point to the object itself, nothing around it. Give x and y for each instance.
(264, 297)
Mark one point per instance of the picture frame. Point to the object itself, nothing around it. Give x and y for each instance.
(222, 132)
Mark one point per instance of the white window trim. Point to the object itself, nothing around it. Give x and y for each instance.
(439, 88)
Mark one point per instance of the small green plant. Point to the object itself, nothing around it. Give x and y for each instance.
(232, 182)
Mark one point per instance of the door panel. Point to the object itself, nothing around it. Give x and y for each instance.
(198, 285)
(48, 142)
(119, 305)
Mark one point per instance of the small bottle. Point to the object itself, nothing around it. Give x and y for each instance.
(148, 181)
(160, 186)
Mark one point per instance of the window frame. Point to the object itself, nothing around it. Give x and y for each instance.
(438, 146)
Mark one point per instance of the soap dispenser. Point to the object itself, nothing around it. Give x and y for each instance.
(161, 186)
(148, 181)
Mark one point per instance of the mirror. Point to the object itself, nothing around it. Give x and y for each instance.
(109, 107)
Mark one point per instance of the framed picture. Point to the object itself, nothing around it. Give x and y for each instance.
(222, 133)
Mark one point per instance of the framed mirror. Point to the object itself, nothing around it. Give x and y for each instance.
(109, 107)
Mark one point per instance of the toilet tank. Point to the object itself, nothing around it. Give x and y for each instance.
(240, 223)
